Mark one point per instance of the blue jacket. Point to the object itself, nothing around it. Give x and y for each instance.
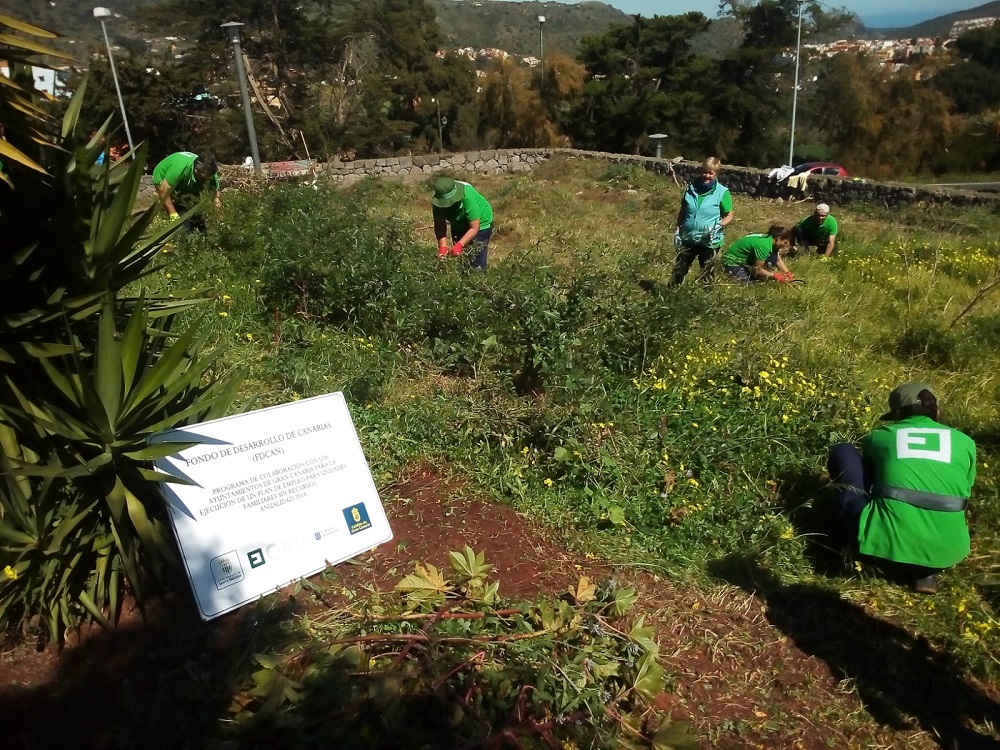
(700, 225)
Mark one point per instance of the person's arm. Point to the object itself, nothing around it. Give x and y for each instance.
(441, 230)
(726, 209)
(470, 233)
(163, 190)
(761, 271)
(830, 244)
(781, 265)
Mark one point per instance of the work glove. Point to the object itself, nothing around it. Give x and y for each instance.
(678, 242)
(442, 251)
(714, 236)
(782, 278)
(457, 248)
(174, 216)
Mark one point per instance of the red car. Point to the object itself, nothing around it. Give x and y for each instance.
(825, 168)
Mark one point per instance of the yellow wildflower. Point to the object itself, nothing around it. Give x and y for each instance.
(10, 573)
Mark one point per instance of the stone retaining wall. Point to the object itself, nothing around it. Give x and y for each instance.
(739, 180)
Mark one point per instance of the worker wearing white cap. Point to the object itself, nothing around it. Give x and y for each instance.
(818, 229)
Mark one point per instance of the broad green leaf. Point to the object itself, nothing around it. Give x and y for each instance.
(671, 735)
(108, 373)
(13, 154)
(89, 605)
(27, 28)
(649, 681)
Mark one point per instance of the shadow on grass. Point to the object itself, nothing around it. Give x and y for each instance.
(164, 682)
(807, 500)
(903, 681)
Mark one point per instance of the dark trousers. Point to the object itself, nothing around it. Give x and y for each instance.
(853, 481)
(686, 257)
(478, 248)
(804, 241)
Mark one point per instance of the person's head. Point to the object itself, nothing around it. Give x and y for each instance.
(915, 398)
(781, 236)
(709, 169)
(205, 167)
(821, 211)
(447, 192)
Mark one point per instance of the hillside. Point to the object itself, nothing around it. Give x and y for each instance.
(514, 27)
(464, 23)
(939, 26)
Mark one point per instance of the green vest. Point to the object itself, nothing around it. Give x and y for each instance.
(915, 463)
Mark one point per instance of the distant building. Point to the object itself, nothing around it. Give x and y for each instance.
(960, 27)
(52, 82)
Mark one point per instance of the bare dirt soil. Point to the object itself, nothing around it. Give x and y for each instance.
(753, 663)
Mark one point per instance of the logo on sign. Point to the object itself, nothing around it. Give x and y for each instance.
(226, 570)
(357, 518)
(256, 557)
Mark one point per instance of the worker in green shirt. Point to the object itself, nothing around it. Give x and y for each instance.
(818, 229)
(757, 257)
(181, 177)
(471, 218)
(902, 498)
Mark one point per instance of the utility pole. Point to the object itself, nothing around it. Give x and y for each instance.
(795, 88)
(233, 29)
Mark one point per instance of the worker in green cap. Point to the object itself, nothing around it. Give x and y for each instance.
(471, 218)
(902, 498)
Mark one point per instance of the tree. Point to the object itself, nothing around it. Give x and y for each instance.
(643, 78)
(752, 94)
(889, 123)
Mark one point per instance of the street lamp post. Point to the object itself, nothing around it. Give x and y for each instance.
(440, 126)
(795, 88)
(101, 14)
(541, 44)
(658, 139)
(233, 29)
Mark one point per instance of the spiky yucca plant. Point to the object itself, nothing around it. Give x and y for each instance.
(87, 373)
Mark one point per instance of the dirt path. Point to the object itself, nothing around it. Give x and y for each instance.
(747, 670)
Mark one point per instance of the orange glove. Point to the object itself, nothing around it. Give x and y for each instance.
(789, 276)
(780, 277)
(442, 251)
(457, 248)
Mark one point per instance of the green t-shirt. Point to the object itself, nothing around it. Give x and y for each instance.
(818, 232)
(178, 170)
(917, 453)
(746, 251)
(472, 206)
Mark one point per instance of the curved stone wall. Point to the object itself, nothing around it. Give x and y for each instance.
(739, 180)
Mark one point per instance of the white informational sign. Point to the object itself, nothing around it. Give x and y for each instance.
(273, 496)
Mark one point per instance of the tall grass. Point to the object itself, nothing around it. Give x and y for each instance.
(666, 428)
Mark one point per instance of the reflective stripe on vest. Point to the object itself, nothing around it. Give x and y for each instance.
(918, 499)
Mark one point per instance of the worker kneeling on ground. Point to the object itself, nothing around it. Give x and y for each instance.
(902, 498)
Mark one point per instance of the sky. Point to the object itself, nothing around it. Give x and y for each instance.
(884, 13)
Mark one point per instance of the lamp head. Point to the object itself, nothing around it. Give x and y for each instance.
(102, 13)
(232, 30)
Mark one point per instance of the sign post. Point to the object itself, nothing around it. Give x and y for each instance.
(266, 498)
